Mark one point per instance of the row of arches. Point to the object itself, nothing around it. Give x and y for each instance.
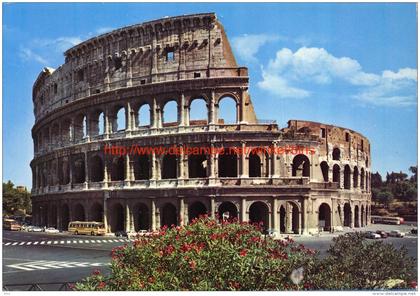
(121, 117)
(350, 179)
(290, 215)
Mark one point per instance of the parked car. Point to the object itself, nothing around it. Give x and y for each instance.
(51, 230)
(121, 233)
(396, 233)
(36, 229)
(414, 231)
(271, 232)
(372, 235)
(382, 233)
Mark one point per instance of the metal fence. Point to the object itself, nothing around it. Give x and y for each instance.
(67, 286)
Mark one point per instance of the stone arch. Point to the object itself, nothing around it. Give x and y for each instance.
(120, 121)
(195, 210)
(97, 122)
(254, 165)
(117, 217)
(301, 166)
(79, 174)
(55, 134)
(168, 215)
(170, 112)
(227, 109)
(197, 166)
(336, 154)
(324, 169)
(141, 215)
(355, 177)
(96, 212)
(79, 212)
(142, 167)
(347, 215)
(347, 173)
(198, 111)
(96, 169)
(143, 115)
(80, 127)
(118, 169)
(66, 133)
(294, 217)
(362, 216)
(259, 213)
(336, 174)
(282, 219)
(228, 164)
(227, 207)
(65, 217)
(362, 179)
(356, 216)
(169, 166)
(324, 217)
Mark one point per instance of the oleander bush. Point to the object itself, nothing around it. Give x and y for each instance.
(206, 255)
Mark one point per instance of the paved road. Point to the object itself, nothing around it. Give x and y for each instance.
(48, 258)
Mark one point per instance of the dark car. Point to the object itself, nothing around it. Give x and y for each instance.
(414, 231)
(121, 233)
(382, 233)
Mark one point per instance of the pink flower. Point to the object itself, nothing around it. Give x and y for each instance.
(243, 253)
(192, 264)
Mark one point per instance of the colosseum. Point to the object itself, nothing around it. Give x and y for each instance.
(113, 91)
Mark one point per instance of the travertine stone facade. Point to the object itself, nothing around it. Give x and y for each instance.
(109, 79)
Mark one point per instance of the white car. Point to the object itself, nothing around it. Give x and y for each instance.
(51, 230)
(372, 235)
(35, 229)
(396, 233)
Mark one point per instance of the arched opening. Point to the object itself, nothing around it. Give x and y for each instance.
(79, 175)
(294, 218)
(85, 127)
(141, 217)
(96, 169)
(356, 216)
(282, 219)
(168, 215)
(362, 179)
(143, 116)
(340, 216)
(228, 164)
(300, 166)
(355, 177)
(120, 122)
(254, 165)
(347, 174)
(66, 135)
(197, 166)
(170, 113)
(96, 212)
(79, 213)
(55, 134)
(258, 213)
(169, 167)
(101, 124)
(324, 217)
(117, 169)
(324, 169)
(227, 111)
(65, 217)
(362, 216)
(347, 215)
(195, 210)
(96, 123)
(336, 174)
(367, 216)
(117, 218)
(227, 211)
(142, 167)
(336, 154)
(198, 112)
(63, 171)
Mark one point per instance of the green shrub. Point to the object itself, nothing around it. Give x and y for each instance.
(206, 255)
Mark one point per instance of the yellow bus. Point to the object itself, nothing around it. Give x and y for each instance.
(10, 224)
(83, 227)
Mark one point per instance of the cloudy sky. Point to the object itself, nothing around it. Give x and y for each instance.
(353, 65)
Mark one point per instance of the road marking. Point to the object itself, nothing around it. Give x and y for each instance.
(35, 243)
(92, 241)
(14, 244)
(61, 242)
(22, 243)
(43, 242)
(29, 243)
(69, 242)
(99, 241)
(49, 242)
(74, 242)
(55, 242)
(80, 242)
(43, 265)
(86, 241)
(7, 244)
(115, 240)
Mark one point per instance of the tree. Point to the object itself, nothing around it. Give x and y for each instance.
(376, 180)
(413, 170)
(14, 199)
(385, 197)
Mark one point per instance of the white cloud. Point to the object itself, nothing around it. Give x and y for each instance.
(288, 71)
(59, 44)
(246, 46)
(28, 55)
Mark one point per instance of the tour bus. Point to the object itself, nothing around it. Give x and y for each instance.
(83, 227)
(387, 220)
(10, 224)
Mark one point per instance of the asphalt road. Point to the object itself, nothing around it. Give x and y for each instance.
(57, 258)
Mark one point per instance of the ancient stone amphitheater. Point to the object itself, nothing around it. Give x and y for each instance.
(111, 94)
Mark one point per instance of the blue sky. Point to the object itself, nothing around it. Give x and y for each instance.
(353, 65)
